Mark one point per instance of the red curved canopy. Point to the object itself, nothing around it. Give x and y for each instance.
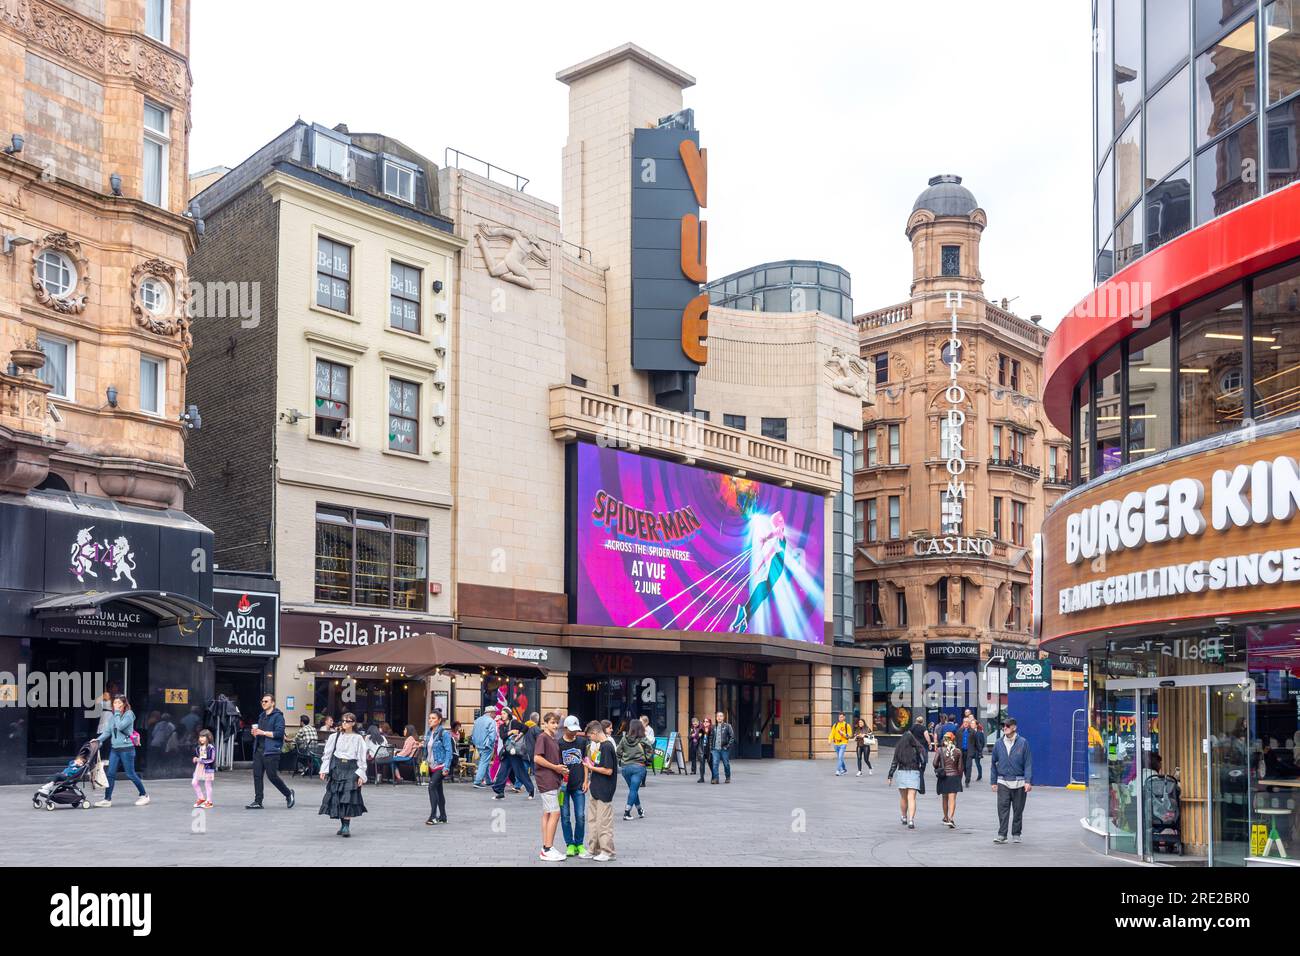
(1253, 237)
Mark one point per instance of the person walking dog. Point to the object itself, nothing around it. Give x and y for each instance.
(1012, 775)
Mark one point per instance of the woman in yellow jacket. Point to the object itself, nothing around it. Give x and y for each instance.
(840, 736)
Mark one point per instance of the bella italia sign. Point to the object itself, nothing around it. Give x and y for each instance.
(1258, 494)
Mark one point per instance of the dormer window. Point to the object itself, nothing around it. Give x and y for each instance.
(399, 182)
(331, 154)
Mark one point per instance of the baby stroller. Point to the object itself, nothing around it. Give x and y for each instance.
(65, 788)
(1163, 799)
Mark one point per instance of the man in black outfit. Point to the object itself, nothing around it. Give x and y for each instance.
(268, 742)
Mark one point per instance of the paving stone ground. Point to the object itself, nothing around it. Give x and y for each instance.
(775, 812)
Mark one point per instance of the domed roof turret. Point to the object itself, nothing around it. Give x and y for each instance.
(946, 196)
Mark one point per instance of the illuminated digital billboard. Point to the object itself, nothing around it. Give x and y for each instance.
(674, 547)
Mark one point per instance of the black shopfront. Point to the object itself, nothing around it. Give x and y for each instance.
(96, 598)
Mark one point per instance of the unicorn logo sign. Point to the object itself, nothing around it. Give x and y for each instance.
(86, 553)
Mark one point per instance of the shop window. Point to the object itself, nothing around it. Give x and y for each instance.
(333, 275)
(1128, 238)
(371, 559)
(1211, 342)
(1128, 167)
(333, 399)
(1083, 428)
(1166, 38)
(1106, 442)
(1103, 76)
(1128, 59)
(1275, 343)
(404, 297)
(1150, 405)
(1282, 48)
(403, 416)
(1225, 83)
(1166, 118)
(1227, 174)
(1281, 143)
(1169, 208)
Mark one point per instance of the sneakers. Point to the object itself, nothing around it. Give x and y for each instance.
(870, 772)
(627, 814)
(950, 824)
(602, 857)
(143, 800)
(583, 854)
(911, 824)
(198, 804)
(714, 782)
(430, 822)
(572, 850)
(551, 856)
(640, 814)
(480, 786)
(1016, 838)
(253, 806)
(999, 839)
(207, 804)
(498, 796)
(902, 819)
(859, 773)
(291, 799)
(103, 803)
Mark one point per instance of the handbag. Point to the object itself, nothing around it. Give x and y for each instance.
(515, 746)
(424, 767)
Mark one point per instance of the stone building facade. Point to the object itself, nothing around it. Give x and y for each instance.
(95, 111)
(945, 585)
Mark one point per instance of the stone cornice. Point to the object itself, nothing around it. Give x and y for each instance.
(92, 46)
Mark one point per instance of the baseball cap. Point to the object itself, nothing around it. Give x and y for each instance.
(571, 723)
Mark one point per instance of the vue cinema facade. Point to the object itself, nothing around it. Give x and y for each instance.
(1172, 565)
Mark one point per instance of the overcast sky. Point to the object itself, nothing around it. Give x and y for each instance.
(823, 120)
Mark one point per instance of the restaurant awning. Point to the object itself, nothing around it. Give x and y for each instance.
(168, 607)
(419, 656)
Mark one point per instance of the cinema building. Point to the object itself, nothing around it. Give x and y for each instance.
(1172, 565)
(648, 485)
(942, 581)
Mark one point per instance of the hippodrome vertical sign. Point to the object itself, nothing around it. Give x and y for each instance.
(954, 496)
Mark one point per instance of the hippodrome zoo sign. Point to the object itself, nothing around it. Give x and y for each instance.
(1208, 534)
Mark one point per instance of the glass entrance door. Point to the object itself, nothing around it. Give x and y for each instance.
(1177, 768)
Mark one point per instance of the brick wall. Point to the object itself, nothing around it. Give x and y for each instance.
(232, 380)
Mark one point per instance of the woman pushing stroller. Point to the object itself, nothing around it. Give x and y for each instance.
(120, 731)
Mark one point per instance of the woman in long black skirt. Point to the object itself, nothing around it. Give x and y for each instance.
(343, 768)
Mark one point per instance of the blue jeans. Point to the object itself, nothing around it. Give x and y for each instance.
(512, 766)
(575, 803)
(484, 764)
(125, 759)
(634, 776)
(839, 758)
(721, 756)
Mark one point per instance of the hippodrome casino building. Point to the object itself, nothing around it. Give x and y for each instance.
(1172, 566)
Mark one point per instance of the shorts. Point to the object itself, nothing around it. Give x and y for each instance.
(550, 801)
